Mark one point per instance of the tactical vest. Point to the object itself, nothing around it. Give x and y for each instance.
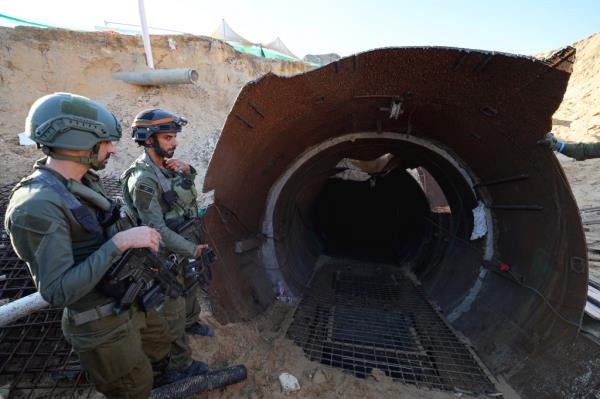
(177, 206)
(84, 240)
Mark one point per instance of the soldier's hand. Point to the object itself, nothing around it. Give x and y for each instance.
(199, 249)
(137, 237)
(177, 165)
(551, 142)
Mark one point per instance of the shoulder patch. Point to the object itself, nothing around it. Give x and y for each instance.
(28, 232)
(143, 196)
(32, 223)
(145, 188)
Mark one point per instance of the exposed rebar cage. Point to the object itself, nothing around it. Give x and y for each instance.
(365, 317)
(35, 359)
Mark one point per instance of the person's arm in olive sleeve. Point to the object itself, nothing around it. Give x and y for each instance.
(144, 194)
(581, 151)
(41, 237)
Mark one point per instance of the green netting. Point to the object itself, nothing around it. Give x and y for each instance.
(266, 53)
(11, 22)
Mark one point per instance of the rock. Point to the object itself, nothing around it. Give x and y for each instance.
(288, 382)
(319, 377)
(378, 374)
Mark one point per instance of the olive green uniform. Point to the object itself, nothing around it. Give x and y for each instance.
(66, 263)
(581, 151)
(143, 195)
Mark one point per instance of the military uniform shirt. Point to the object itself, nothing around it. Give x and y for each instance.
(66, 261)
(581, 151)
(143, 195)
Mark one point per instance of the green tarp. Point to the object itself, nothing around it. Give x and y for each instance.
(11, 22)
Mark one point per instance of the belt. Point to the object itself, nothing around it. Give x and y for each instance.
(93, 314)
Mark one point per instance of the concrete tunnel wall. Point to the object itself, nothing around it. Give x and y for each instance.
(472, 119)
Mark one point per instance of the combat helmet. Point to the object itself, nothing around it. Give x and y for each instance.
(69, 121)
(152, 121)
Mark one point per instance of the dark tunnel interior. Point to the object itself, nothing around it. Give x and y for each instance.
(387, 218)
(383, 218)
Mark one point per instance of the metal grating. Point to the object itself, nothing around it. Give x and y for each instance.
(364, 317)
(35, 359)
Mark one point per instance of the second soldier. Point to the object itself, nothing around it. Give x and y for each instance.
(160, 192)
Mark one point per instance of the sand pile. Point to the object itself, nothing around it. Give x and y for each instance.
(578, 117)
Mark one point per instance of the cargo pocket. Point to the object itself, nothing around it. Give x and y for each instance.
(137, 384)
(114, 357)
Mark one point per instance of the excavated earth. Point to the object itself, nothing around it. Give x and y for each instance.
(36, 62)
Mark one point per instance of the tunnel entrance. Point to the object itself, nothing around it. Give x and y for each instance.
(415, 208)
(356, 230)
(504, 260)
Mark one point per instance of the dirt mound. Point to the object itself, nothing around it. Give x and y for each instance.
(35, 62)
(578, 117)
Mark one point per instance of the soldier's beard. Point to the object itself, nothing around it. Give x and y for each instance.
(162, 152)
(170, 153)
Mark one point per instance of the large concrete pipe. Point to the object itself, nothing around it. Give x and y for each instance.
(158, 77)
(471, 119)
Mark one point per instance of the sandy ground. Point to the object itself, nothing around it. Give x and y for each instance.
(261, 345)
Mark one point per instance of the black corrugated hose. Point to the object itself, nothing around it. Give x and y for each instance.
(200, 383)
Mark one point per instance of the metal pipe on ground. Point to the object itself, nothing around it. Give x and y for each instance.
(200, 383)
(159, 77)
(21, 307)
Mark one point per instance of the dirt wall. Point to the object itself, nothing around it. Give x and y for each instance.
(35, 62)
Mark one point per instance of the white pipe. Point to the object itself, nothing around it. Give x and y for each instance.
(157, 77)
(21, 307)
(145, 35)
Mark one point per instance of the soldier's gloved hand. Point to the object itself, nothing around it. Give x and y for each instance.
(552, 142)
(199, 249)
(177, 165)
(137, 237)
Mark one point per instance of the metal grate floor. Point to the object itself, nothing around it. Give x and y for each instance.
(35, 359)
(365, 317)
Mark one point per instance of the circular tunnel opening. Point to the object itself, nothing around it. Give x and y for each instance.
(413, 209)
(367, 232)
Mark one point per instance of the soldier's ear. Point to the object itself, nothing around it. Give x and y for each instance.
(149, 140)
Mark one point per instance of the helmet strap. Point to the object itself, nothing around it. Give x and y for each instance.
(91, 160)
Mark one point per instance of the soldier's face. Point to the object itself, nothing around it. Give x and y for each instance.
(167, 142)
(106, 149)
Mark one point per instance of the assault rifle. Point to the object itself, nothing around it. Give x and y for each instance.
(141, 273)
(196, 271)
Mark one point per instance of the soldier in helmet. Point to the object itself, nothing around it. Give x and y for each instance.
(62, 224)
(160, 191)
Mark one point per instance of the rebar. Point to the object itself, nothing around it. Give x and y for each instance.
(35, 359)
(364, 318)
